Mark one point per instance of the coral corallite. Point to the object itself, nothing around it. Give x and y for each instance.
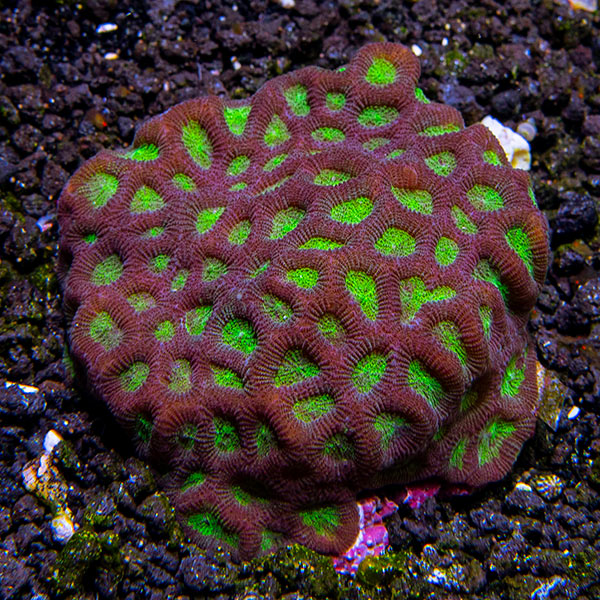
(319, 290)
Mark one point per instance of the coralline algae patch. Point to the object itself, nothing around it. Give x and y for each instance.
(316, 291)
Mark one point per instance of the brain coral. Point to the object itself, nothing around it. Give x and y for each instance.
(319, 290)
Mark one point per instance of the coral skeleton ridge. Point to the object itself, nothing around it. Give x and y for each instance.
(319, 290)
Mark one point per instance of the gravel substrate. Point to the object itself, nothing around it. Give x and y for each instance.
(69, 88)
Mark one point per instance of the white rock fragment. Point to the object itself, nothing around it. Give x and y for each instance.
(111, 56)
(106, 28)
(572, 414)
(515, 146)
(416, 50)
(30, 477)
(42, 478)
(52, 439)
(588, 5)
(62, 528)
(523, 486)
(286, 3)
(26, 389)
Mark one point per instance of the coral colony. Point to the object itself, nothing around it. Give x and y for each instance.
(320, 290)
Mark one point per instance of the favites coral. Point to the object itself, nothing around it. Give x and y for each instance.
(316, 291)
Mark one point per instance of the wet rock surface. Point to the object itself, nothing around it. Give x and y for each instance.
(69, 87)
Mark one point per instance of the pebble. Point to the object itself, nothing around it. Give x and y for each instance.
(106, 28)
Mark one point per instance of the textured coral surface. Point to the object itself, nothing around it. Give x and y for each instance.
(316, 291)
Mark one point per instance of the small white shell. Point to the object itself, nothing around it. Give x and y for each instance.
(515, 146)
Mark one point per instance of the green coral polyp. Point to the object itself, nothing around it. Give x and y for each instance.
(320, 243)
(513, 377)
(381, 72)
(213, 269)
(100, 188)
(304, 277)
(194, 480)
(449, 335)
(414, 294)
(377, 116)
(442, 164)
(484, 271)
(331, 328)
(183, 182)
(186, 437)
(485, 314)
(274, 162)
(421, 97)
(458, 453)
(143, 428)
(339, 447)
(180, 280)
(141, 301)
(208, 525)
(240, 232)
(197, 143)
(236, 118)
(277, 309)
(227, 378)
(294, 368)
(207, 218)
(266, 440)
(164, 331)
(159, 263)
(146, 200)
(297, 99)
(331, 177)
(374, 143)
(328, 135)
(388, 426)
(491, 439)
(276, 133)
(446, 251)
(238, 165)
(107, 271)
(195, 320)
(310, 409)
(352, 211)
(240, 335)
(396, 242)
(105, 332)
(490, 157)
(285, 221)
(324, 521)
(419, 201)
(180, 379)
(143, 153)
(483, 197)
(462, 221)
(434, 130)
(368, 372)
(335, 101)
(227, 438)
(363, 289)
(134, 377)
(424, 384)
(518, 240)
